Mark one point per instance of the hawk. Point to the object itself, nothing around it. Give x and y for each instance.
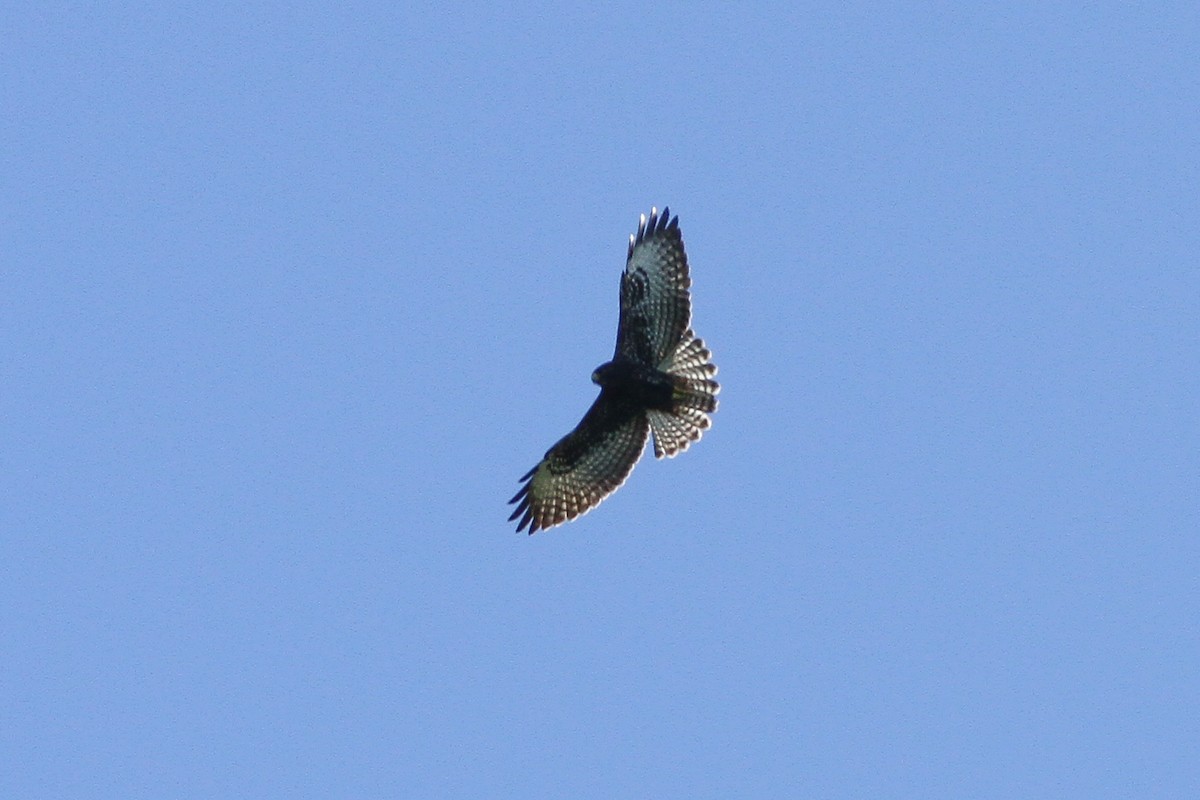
(659, 381)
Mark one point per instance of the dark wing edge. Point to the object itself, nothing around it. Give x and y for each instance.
(581, 469)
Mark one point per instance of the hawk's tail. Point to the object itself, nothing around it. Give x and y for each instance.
(694, 397)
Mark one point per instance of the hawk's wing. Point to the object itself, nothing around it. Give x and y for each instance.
(584, 467)
(655, 305)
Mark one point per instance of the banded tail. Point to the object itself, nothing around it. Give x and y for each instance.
(694, 397)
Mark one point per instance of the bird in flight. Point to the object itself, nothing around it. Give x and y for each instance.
(660, 382)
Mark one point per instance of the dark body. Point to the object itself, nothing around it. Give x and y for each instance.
(626, 380)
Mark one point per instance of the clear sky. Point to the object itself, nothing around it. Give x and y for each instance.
(292, 295)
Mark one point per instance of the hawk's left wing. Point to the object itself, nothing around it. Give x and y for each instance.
(656, 307)
(584, 467)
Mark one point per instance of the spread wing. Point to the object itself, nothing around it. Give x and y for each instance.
(584, 467)
(655, 305)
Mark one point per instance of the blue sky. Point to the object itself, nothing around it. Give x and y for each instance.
(291, 296)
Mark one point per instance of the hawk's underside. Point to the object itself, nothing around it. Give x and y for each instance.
(659, 382)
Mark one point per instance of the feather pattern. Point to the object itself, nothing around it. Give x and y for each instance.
(660, 380)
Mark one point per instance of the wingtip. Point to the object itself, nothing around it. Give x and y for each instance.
(520, 509)
(648, 226)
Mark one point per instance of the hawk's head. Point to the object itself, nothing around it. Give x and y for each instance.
(608, 374)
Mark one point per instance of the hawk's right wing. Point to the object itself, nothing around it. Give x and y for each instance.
(656, 307)
(584, 467)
